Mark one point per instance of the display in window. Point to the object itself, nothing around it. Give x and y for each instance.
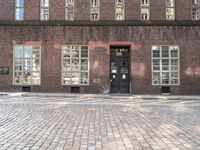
(26, 65)
(165, 68)
(75, 65)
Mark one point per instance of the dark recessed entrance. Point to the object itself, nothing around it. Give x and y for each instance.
(119, 70)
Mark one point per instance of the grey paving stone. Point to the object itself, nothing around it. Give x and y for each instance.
(92, 124)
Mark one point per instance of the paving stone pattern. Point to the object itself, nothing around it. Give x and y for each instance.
(98, 124)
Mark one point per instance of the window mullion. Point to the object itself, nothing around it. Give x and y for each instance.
(23, 66)
(170, 72)
(160, 47)
(31, 60)
(179, 63)
(71, 64)
(73, 76)
(79, 64)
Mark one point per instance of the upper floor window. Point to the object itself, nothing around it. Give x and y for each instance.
(19, 10)
(94, 9)
(145, 9)
(170, 9)
(44, 9)
(195, 9)
(69, 10)
(119, 10)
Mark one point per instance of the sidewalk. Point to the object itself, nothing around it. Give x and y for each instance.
(104, 96)
(57, 123)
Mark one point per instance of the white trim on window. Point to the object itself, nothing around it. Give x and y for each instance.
(195, 9)
(94, 10)
(170, 9)
(19, 10)
(20, 69)
(165, 66)
(145, 10)
(68, 69)
(69, 10)
(44, 10)
(120, 10)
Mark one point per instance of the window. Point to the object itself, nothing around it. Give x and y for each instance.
(75, 65)
(119, 10)
(44, 9)
(195, 9)
(94, 9)
(26, 65)
(165, 65)
(19, 10)
(170, 9)
(145, 9)
(69, 10)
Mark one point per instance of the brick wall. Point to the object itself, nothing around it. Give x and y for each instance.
(99, 39)
(7, 11)
(32, 10)
(82, 10)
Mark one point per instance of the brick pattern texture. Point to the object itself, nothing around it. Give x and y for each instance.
(107, 10)
(99, 39)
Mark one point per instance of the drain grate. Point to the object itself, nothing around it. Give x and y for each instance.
(26, 89)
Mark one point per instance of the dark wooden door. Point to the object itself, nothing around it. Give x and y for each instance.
(119, 70)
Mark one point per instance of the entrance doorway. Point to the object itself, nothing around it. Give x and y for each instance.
(119, 70)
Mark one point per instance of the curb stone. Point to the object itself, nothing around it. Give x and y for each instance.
(103, 96)
(108, 96)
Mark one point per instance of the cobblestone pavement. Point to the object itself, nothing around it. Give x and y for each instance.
(95, 124)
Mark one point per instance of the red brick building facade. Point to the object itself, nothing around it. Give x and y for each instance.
(138, 54)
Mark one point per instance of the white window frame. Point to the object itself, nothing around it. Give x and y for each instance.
(71, 6)
(22, 58)
(147, 7)
(18, 8)
(95, 9)
(79, 71)
(161, 66)
(172, 8)
(195, 5)
(122, 7)
(42, 8)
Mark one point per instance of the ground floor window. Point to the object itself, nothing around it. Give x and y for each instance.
(75, 65)
(26, 64)
(165, 65)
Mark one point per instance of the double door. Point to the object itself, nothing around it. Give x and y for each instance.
(119, 70)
